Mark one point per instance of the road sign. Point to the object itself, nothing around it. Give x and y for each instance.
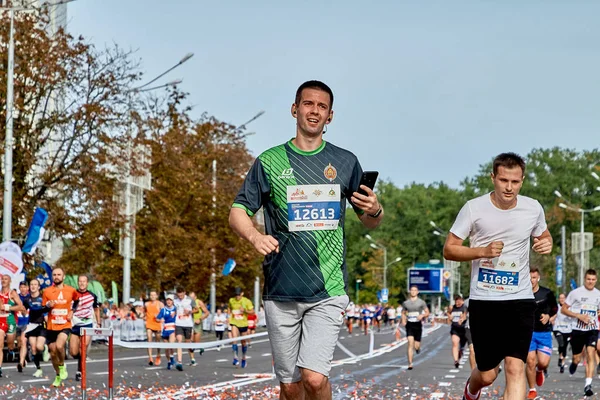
(427, 280)
(588, 242)
(447, 274)
(384, 295)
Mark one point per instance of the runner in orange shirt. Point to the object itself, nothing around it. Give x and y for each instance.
(153, 326)
(60, 299)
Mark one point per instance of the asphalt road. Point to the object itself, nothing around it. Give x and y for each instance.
(356, 373)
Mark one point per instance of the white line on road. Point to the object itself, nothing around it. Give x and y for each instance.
(266, 355)
(454, 371)
(345, 350)
(101, 373)
(445, 383)
(36, 380)
(450, 376)
(222, 360)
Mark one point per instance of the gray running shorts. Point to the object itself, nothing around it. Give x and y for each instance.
(304, 335)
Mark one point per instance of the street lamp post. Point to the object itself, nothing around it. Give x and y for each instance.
(379, 246)
(127, 190)
(8, 140)
(358, 281)
(581, 231)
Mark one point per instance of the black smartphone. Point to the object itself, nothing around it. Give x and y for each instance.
(368, 179)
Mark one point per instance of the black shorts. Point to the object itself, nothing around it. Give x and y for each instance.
(468, 336)
(495, 338)
(459, 331)
(37, 332)
(242, 329)
(51, 336)
(581, 339)
(185, 331)
(414, 329)
(76, 330)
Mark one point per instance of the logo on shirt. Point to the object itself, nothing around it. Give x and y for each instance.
(287, 173)
(298, 195)
(317, 192)
(330, 172)
(332, 193)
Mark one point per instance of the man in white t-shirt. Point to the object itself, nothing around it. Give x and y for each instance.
(583, 304)
(499, 226)
(184, 324)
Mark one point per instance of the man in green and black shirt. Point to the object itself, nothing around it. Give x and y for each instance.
(303, 186)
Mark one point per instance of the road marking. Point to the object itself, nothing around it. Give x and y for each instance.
(390, 366)
(445, 383)
(345, 350)
(450, 376)
(454, 371)
(153, 368)
(266, 355)
(437, 395)
(222, 360)
(101, 373)
(36, 380)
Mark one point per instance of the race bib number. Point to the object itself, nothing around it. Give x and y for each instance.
(592, 311)
(59, 316)
(500, 276)
(413, 316)
(313, 207)
(238, 315)
(456, 316)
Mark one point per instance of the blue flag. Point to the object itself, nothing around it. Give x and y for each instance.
(35, 232)
(46, 278)
(573, 284)
(229, 266)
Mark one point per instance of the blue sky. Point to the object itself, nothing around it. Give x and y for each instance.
(424, 91)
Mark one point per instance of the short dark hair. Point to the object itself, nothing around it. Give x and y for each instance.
(457, 296)
(508, 160)
(534, 269)
(180, 289)
(314, 85)
(591, 271)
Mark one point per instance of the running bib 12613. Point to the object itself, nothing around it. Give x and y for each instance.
(313, 207)
(500, 277)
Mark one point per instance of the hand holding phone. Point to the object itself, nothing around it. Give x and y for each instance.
(368, 179)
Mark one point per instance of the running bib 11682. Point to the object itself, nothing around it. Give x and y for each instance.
(499, 277)
(313, 207)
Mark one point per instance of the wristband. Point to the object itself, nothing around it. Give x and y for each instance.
(377, 214)
(7, 307)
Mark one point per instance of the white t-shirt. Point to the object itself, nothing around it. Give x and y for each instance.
(583, 301)
(220, 322)
(562, 323)
(391, 313)
(505, 277)
(185, 321)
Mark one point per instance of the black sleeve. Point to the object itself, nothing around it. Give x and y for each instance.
(552, 306)
(96, 304)
(255, 190)
(353, 185)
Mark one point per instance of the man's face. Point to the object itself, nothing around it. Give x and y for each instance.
(561, 299)
(169, 303)
(507, 184)
(82, 283)
(58, 276)
(24, 289)
(414, 292)
(181, 295)
(313, 111)
(153, 296)
(459, 302)
(34, 286)
(590, 281)
(535, 279)
(6, 281)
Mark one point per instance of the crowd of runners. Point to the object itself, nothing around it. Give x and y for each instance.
(47, 325)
